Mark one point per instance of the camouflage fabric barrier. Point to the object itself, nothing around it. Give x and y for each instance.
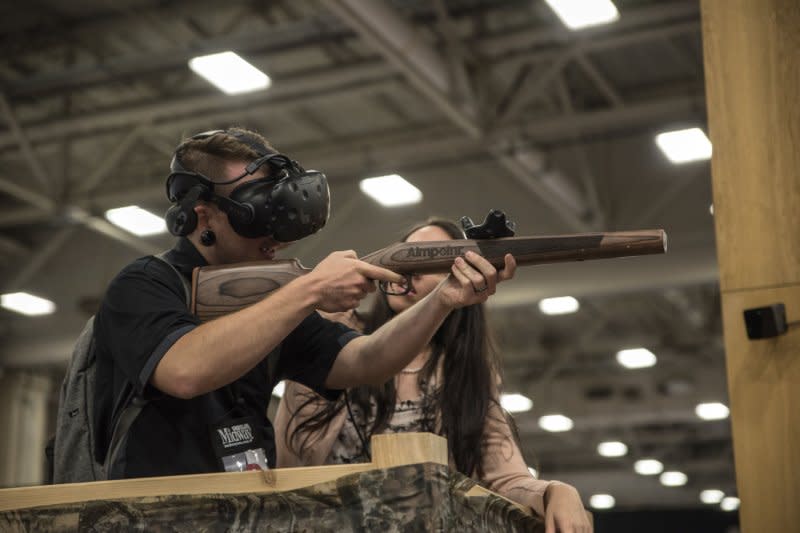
(412, 498)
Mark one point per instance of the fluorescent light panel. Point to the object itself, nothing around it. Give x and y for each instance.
(136, 220)
(516, 403)
(555, 423)
(560, 305)
(711, 496)
(229, 73)
(533, 472)
(684, 146)
(391, 190)
(602, 501)
(579, 14)
(673, 478)
(612, 448)
(279, 389)
(729, 503)
(27, 304)
(712, 411)
(648, 467)
(636, 358)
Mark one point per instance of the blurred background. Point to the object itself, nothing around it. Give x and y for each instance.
(568, 122)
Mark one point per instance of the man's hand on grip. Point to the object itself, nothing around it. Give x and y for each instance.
(342, 281)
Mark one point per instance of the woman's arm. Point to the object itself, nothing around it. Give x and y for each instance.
(504, 469)
(377, 357)
(505, 472)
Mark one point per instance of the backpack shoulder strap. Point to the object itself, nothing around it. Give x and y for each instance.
(134, 404)
(187, 289)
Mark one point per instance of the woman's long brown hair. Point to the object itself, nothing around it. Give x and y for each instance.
(460, 402)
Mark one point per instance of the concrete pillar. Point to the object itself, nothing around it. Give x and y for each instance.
(24, 403)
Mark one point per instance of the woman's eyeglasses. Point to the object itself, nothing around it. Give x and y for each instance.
(396, 289)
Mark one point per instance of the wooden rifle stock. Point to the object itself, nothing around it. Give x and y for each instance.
(219, 290)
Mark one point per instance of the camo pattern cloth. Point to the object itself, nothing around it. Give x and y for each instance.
(412, 498)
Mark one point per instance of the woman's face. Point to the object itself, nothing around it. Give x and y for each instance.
(423, 284)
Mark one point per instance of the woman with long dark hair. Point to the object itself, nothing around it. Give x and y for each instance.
(450, 389)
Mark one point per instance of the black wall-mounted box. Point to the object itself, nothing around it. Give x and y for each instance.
(765, 322)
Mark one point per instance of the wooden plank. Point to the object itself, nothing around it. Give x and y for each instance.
(752, 73)
(388, 451)
(764, 390)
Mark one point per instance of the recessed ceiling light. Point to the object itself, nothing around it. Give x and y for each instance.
(636, 358)
(612, 448)
(729, 503)
(229, 73)
(136, 220)
(602, 501)
(648, 467)
(673, 478)
(560, 305)
(391, 190)
(578, 14)
(711, 496)
(555, 423)
(516, 403)
(712, 411)
(27, 304)
(684, 146)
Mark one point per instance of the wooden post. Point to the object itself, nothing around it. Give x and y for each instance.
(752, 71)
(407, 448)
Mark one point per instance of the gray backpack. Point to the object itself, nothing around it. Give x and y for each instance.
(73, 450)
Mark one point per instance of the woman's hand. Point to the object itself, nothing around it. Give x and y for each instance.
(473, 279)
(563, 511)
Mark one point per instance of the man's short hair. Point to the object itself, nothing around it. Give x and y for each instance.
(208, 156)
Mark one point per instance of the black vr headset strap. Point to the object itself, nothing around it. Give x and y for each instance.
(238, 213)
(180, 218)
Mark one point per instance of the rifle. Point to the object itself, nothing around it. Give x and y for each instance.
(218, 290)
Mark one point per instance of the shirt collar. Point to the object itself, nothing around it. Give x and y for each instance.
(185, 256)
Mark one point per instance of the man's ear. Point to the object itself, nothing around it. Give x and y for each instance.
(204, 212)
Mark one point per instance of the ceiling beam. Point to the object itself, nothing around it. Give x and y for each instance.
(35, 164)
(407, 50)
(399, 42)
(431, 144)
(308, 85)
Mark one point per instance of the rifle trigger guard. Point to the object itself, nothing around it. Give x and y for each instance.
(495, 225)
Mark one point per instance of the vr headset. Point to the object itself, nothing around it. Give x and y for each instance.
(289, 204)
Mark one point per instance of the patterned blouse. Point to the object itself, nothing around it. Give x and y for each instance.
(349, 447)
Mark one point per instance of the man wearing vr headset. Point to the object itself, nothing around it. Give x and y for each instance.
(200, 392)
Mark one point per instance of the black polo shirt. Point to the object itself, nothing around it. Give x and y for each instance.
(142, 315)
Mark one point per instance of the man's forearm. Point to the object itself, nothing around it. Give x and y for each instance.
(220, 351)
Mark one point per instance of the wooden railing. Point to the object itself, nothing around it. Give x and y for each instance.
(408, 484)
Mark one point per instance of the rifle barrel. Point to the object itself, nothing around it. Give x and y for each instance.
(437, 256)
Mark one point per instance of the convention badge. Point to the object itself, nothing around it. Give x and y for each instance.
(238, 445)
